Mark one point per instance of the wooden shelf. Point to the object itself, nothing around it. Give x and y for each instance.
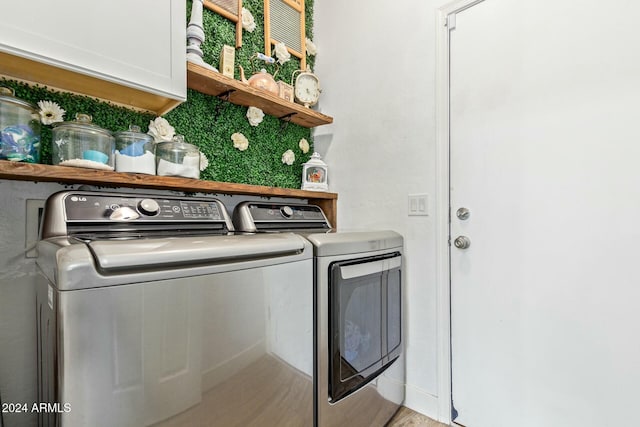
(65, 174)
(210, 82)
(63, 80)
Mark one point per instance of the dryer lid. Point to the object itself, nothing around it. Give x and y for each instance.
(345, 243)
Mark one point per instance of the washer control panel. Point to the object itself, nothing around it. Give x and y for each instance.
(74, 212)
(88, 207)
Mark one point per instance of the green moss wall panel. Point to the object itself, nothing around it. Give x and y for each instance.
(206, 121)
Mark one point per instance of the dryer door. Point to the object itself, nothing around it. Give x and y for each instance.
(365, 321)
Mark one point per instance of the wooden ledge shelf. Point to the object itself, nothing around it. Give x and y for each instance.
(46, 173)
(209, 82)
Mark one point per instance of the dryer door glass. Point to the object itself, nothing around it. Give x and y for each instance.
(359, 334)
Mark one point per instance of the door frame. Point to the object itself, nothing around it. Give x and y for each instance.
(445, 19)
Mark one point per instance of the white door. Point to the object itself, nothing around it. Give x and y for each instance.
(545, 154)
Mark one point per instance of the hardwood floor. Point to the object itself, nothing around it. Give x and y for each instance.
(268, 392)
(405, 417)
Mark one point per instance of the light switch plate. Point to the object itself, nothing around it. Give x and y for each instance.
(418, 204)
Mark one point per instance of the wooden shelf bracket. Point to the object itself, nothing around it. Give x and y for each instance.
(286, 119)
(225, 98)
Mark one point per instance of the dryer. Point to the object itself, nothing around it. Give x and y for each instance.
(359, 368)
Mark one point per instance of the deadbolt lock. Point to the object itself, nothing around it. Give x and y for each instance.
(463, 213)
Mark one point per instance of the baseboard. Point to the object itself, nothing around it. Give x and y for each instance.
(425, 403)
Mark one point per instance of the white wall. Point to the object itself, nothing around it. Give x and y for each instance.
(376, 64)
(17, 299)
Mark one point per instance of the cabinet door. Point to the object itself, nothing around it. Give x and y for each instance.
(140, 44)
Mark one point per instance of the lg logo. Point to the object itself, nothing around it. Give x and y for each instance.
(78, 199)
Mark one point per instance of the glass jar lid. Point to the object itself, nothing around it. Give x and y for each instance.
(9, 95)
(83, 123)
(178, 144)
(134, 132)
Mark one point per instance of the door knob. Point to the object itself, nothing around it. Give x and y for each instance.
(462, 242)
(463, 213)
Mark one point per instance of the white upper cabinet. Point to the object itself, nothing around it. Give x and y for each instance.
(128, 52)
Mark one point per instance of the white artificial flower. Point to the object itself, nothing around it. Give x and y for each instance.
(311, 47)
(204, 162)
(161, 130)
(50, 112)
(248, 23)
(240, 141)
(304, 145)
(288, 157)
(255, 116)
(282, 53)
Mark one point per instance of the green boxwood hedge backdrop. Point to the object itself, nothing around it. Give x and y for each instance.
(207, 121)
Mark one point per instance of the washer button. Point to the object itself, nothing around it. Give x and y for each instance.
(149, 207)
(286, 211)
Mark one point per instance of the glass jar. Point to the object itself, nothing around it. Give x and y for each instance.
(19, 129)
(178, 158)
(135, 151)
(82, 144)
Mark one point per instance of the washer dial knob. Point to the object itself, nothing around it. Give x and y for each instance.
(286, 211)
(149, 207)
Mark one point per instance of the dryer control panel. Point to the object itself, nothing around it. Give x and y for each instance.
(258, 216)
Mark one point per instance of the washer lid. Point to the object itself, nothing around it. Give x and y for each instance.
(345, 243)
(128, 256)
(71, 266)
